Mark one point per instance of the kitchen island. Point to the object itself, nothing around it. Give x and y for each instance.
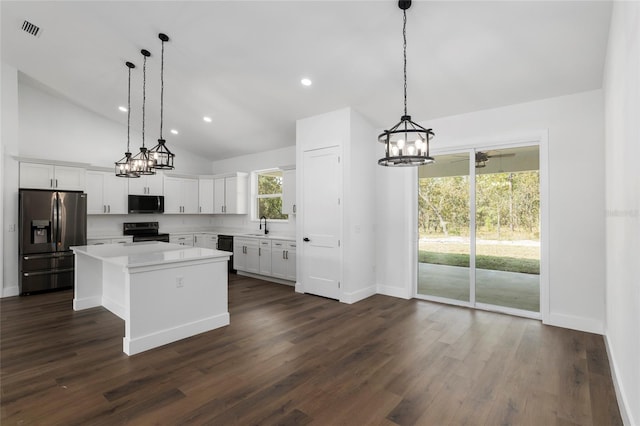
(164, 292)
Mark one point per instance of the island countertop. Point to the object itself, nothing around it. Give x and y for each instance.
(133, 255)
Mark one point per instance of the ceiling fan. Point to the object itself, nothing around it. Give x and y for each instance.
(483, 157)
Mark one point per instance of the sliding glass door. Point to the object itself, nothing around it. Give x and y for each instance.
(479, 229)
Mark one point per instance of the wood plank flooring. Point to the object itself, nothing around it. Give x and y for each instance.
(292, 359)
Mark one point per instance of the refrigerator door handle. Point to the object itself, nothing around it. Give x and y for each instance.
(54, 271)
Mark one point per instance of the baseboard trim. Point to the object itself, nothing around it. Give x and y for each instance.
(359, 295)
(266, 278)
(402, 293)
(620, 395)
(163, 337)
(575, 323)
(86, 303)
(14, 290)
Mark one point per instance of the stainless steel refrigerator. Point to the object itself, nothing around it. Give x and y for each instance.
(50, 223)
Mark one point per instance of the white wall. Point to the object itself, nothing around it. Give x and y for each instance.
(622, 103)
(576, 200)
(9, 134)
(249, 163)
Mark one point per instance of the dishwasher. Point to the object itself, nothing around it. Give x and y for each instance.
(225, 243)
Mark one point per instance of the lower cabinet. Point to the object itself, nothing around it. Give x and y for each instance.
(283, 260)
(246, 255)
(182, 239)
(270, 258)
(209, 241)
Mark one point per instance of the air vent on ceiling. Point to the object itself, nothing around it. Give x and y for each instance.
(30, 28)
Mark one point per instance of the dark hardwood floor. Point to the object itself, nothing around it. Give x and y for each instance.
(293, 359)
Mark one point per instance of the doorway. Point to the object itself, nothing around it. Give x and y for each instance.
(479, 229)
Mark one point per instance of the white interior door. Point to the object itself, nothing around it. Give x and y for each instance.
(321, 222)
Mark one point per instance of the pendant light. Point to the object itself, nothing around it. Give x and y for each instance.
(125, 167)
(406, 143)
(160, 154)
(143, 163)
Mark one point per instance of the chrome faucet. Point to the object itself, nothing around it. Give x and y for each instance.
(266, 231)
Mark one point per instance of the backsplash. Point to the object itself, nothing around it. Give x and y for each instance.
(111, 225)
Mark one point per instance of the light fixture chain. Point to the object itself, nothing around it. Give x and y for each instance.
(161, 87)
(144, 93)
(404, 45)
(129, 111)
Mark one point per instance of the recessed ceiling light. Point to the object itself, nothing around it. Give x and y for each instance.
(122, 108)
(174, 131)
(305, 82)
(207, 119)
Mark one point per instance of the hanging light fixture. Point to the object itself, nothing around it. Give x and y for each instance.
(125, 167)
(406, 143)
(160, 155)
(142, 162)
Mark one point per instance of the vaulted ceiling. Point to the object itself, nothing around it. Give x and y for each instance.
(240, 62)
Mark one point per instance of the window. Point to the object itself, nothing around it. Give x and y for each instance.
(268, 195)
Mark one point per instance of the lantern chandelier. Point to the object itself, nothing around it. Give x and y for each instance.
(160, 155)
(125, 167)
(142, 161)
(406, 143)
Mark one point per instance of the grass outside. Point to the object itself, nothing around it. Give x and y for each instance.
(495, 263)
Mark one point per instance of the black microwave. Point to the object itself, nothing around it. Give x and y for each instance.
(146, 204)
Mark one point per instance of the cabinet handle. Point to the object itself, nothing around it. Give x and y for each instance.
(294, 208)
(283, 254)
(259, 251)
(56, 183)
(104, 208)
(50, 183)
(286, 256)
(200, 209)
(109, 209)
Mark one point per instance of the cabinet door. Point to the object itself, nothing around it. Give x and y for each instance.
(211, 241)
(173, 195)
(219, 196)
(236, 194)
(37, 176)
(205, 196)
(253, 259)
(154, 184)
(138, 186)
(115, 193)
(69, 178)
(189, 196)
(291, 262)
(95, 193)
(264, 253)
(278, 262)
(239, 256)
(289, 192)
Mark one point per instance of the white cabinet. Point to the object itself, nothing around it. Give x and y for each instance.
(205, 196)
(283, 260)
(264, 257)
(100, 241)
(205, 240)
(106, 193)
(49, 176)
(146, 185)
(245, 255)
(180, 195)
(182, 239)
(289, 191)
(230, 194)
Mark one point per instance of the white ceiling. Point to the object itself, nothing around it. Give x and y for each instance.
(241, 62)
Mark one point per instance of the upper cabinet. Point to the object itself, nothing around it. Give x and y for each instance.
(289, 191)
(106, 193)
(205, 195)
(49, 176)
(180, 195)
(146, 185)
(230, 194)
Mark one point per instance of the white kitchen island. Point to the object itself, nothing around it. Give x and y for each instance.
(164, 292)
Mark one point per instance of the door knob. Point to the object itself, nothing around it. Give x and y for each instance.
(306, 240)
